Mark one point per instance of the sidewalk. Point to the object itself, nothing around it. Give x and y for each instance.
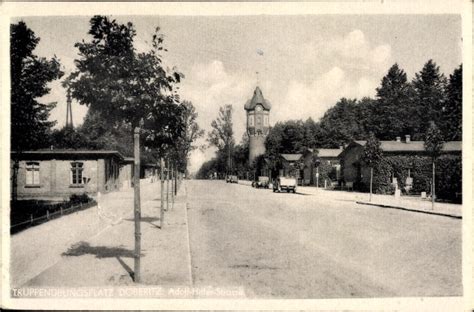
(409, 203)
(105, 258)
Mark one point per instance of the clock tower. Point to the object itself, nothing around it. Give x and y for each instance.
(258, 123)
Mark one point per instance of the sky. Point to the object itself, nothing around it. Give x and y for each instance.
(308, 61)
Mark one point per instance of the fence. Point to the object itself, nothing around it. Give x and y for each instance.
(52, 211)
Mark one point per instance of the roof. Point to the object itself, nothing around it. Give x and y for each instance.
(257, 99)
(291, 157)
(68, 154)
(414, 146)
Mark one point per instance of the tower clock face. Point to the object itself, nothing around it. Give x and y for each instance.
(259, 108)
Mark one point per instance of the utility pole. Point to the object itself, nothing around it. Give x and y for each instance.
(162, 189)
(137, 212)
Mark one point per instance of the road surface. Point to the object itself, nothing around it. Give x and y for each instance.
(314, 246)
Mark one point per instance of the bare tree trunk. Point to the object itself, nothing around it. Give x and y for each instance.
(371, 179)
(167, 184)
(136, 178)
(433, 188)
(16, 166)
(162, 190)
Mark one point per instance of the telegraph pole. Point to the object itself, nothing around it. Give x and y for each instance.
(137, 212)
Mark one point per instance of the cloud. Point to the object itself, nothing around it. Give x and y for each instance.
(313, 99)
(353, 50)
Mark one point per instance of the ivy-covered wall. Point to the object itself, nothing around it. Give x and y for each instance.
(448, 176)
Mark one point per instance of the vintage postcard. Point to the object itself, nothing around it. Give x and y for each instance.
(237, 155)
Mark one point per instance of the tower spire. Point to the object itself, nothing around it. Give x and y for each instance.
(69, 110)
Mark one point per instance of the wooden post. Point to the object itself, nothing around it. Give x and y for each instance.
(31, 219)
(162, 190)
(136, 188)
(47, 214)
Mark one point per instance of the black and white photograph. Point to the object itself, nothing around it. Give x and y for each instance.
(251, 155)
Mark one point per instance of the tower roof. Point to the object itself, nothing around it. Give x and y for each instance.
(257, 99)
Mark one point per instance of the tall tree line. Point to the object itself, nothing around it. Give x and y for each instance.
(400, 108)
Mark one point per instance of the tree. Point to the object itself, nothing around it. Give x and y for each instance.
(433, 145)
(222, 134)
(126, 86)
(429, 98)
(30, 74)
(339, 124)
(372, 156)
(392, 113)
(69, 138)
(452, 112)
(192, 132)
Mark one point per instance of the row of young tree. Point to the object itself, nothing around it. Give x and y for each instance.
(121, 87)
(401, 107)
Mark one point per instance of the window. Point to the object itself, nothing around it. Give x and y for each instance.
(32, 173)
(76, 173)
(259, 120)
(251, 120)
(265, 121)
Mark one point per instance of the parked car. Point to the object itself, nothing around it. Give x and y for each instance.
(232, 179)
(287, 184)
(263, 182)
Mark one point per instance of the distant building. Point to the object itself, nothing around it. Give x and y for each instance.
(258, 123)
(57, 174)
(355, 170)
(329, 165)
(290, 165)
(304, 166)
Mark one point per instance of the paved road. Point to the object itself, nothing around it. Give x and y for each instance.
(296, 246)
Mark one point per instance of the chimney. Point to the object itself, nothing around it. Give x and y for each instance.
(398, 139)
(407, 138)
(341, 147)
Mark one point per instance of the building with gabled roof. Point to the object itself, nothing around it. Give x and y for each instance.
(354, 170)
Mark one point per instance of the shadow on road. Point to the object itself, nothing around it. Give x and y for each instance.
(149, 220)
(83, 248)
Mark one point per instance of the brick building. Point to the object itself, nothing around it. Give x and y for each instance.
(57, 174)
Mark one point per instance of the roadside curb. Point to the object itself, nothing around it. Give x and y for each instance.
(408, 209)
